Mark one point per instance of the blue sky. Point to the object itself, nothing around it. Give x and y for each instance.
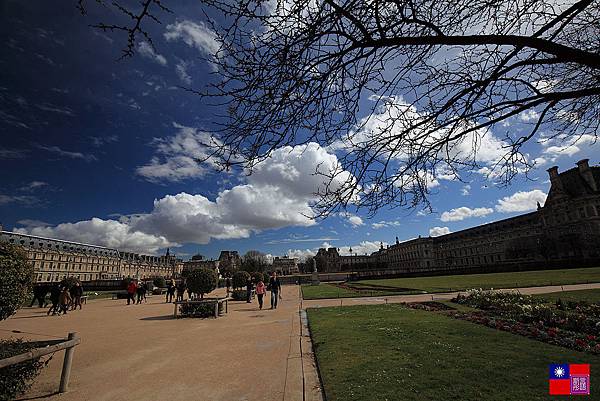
(99, 150)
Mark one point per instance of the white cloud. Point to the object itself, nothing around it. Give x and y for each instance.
(98, 141)
(464, 212)
(521, 201)
(24, 200)
(30, 223)
(109, 233)
(301, 254)
(182, 72)
(466, 190)
(563, 145)
(437, 231)
(33, 186)
(146, 50)
(196, 35)
(364, 247)
(383, 223)
(182, 156)
(279, 193)
(64, 153)
(356, 221)
(529, 116)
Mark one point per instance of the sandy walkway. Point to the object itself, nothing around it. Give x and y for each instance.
(141, 353)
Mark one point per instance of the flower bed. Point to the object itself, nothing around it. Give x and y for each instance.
(573, 325)
(430, 306)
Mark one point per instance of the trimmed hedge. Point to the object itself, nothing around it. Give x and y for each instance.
(16, 278)
(239, 279)
(201, 310)
(202, 281)
(160, 282)
(16, 379)
(239, 295)
(257, 276)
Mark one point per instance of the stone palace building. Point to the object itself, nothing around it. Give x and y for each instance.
(54, 260)
(564, 232)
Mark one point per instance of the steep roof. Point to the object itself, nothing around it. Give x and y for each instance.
(574, 185)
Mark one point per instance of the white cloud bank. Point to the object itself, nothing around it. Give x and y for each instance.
(437, 231)
(279, 193)
(464, 212)
(521, 201)
(146, 50)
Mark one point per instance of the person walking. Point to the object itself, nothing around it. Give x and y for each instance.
(77, 293)
(64, 300)
(39, 295)
(145, 285)
(261, 289)
(181, 290)
(170, 291)
(131, 290)
(141, 292)
(275, 288)
(228, 284)
(248, 290)
(54, 297)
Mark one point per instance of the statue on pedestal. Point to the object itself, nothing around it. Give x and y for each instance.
(315, 274)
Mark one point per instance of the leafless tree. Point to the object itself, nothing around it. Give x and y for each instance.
(440, 74)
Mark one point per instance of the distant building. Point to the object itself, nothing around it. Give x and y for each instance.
(55, 259)
(198, 261)
(229, 261)
(563, 232)
(285, 265)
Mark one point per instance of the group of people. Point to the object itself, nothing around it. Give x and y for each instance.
(134, 288)
(274, 287)
(62, 298)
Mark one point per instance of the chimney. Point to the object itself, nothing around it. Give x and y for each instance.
(555, 180)
(586, 173)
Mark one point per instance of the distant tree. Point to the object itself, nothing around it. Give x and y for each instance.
(202, 281)
(240, 279)
(254, 261)
(69, 282)
(16, 279)
(440, 73)
(257, 276)
(160, 282)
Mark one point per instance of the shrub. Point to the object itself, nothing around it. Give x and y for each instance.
(202, 281)
(159, 282)
(16, 278)
(239, 295)
(257, 276)
(16, 379)
(202, 310)
(239, 279)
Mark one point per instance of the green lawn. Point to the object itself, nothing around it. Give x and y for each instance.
(591, 296)
(324, 290)
(493, 280)
(388, 352)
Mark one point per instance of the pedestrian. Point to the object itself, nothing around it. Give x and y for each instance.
(170, 291)
(275, 288)
(72, 291)
(145, 292)
(260, 292)
(228, 284)
(131, 290)
(77, 293)
(64, 300)
(39, 295)
(181, 290)
(141, 292)
(248, 290)
(54, 297)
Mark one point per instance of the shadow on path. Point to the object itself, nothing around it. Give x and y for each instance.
(164, 317)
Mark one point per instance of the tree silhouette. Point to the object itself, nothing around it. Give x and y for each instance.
(440, 74)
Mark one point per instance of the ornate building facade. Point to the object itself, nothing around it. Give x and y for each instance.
(285, 265)
(54, 260)
(198, 261)
(565, 231)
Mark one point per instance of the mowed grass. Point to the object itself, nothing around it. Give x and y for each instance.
(388, 352)
(323, 291)
(493, 280)
(591, 296)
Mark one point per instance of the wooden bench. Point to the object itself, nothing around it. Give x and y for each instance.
(217, 302)
(84, 299)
